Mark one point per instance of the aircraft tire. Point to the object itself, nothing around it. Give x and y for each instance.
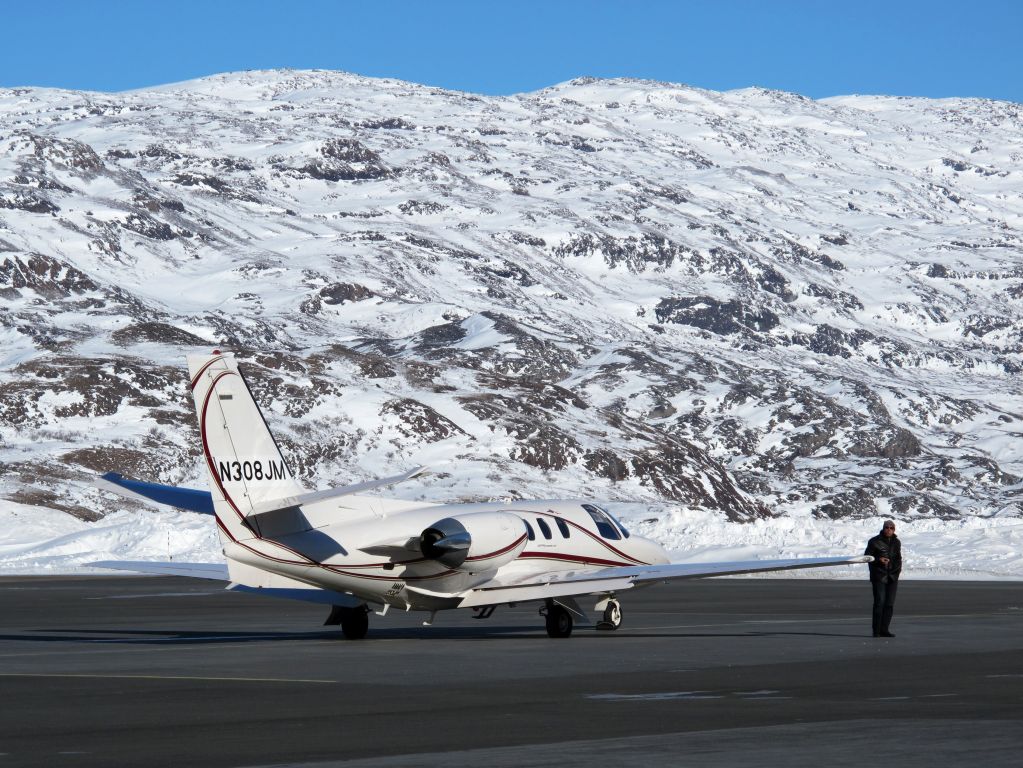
(354, 623)
(612, 618)
(559, 621)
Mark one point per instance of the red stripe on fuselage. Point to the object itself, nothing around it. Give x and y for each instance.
(582, 559)
(632, 560)
(497, 553)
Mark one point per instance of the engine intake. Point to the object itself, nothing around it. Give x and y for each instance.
(478, 541)
(446, 541)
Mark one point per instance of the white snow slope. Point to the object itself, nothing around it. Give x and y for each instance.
(755, 323)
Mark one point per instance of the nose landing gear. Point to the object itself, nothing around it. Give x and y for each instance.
(612, 617)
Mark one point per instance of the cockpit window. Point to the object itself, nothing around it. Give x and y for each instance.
(603, 520)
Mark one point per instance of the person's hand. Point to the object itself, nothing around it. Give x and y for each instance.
(884, 560)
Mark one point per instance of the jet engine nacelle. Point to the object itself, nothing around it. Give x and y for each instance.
(479, 541)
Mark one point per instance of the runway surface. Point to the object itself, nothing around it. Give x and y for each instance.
(98, 671)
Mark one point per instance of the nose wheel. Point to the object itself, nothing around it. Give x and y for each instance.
(612, 617)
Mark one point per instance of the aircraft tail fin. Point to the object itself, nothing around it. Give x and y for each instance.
(246, 468)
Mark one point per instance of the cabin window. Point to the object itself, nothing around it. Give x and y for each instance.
(544, 528)
(563, 527)
(603, 520)
(529, 531)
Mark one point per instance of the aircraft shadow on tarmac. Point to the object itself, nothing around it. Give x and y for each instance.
(179, 637)
(114, 636)
(185, 637)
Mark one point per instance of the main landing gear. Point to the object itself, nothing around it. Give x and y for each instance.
(558, 618)
(354, 621)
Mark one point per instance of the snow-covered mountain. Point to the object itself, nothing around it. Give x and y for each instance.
(749, 304)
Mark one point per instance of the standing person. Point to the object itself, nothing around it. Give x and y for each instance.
(886, 549)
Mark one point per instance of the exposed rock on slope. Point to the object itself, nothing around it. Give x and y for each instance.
(748, 302)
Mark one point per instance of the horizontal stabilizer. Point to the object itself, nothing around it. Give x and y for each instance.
(256, 581)
(213, 571)
(182, 498)
(287, 502)
(289, 590)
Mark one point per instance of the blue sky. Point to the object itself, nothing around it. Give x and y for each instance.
(818, 49)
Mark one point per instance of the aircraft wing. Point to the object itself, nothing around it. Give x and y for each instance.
(602, 580)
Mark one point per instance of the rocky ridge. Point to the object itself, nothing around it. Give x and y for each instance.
(747, 302)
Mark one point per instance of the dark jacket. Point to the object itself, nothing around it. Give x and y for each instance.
(879, 547)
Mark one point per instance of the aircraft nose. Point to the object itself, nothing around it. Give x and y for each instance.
(652, 552)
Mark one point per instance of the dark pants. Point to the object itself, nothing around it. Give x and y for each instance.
(884, 604)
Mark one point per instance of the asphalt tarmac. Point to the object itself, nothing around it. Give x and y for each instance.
(111, 671)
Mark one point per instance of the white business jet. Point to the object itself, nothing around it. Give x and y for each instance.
(359, 553)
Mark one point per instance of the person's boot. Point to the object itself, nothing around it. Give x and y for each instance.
(886, 619)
